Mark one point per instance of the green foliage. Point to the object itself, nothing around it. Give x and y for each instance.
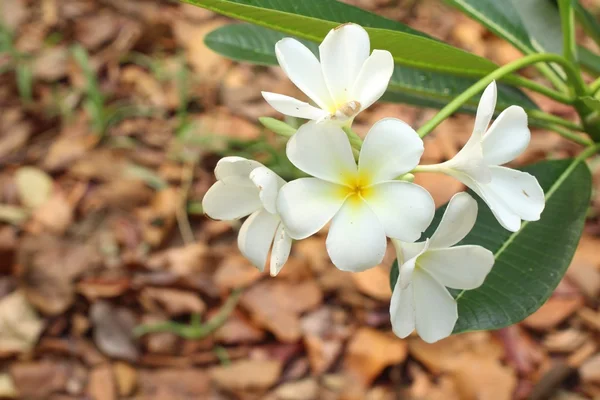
(530, 262)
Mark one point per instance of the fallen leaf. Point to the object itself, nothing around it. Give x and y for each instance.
(483, 378)
(182, 261)
(39, 379)
(94, 30)
(590, 370)
(586, 277)
(20, 326)
(323, 338)
(55, 215)
(51, 64)
(159, 218)
(113, 331)
(180, 384)
(235, 272)
(374, 282)
(370, 351)
(126, 377)
(243, 375)
(98, 288)
(305, 389)
(34, 186)
(237, 329)
(174, 302)
(101, 383)
(553, 312)
(564, 341)
(440, 186)
(13, 214)
(7, 387)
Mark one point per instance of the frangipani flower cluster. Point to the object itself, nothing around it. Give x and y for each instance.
(368, 196)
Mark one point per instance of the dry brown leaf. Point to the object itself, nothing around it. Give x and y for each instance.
(441, 187)
(126, 377)
(374, 282)
(586, 277)
(237, 329)
(256, 375)
(39, 379)
(97, 288)
(94, 30)
(7, 387)
(174, 302)
(553, 312)
(181, 261)
(51, 64)
(101, 383)
(159, 218)
(305, 389)
(20, 326)
(370, 351)
(235, 272)
(483, 378)
(564, 341)
(113, 331)
(67, 148)
(180, 384)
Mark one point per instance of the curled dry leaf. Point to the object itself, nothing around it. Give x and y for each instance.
(235, 272)
(40, 379)
(20, 326)
(113, 331)
(102, 384)
(184, 384)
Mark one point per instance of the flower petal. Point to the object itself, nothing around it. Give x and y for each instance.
(229, 201)
(323, 151)
(391, 148)
(356, 239)
(268, 184)
(238, 167)
(512, 196)
(305, 205)
(470, 161)
(435, 309)
(458, 220)
(402, 311)
(404, 209)
(507, 138)
(373, 79)
(295, 108)
(304, 70)
(485, 109)
(405, 251)
(405, 271)
(256, 236)
(342, 54)
(282, 245)
(461, 267)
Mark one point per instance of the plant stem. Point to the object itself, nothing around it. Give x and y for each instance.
(542, 116)
(195, 330)
(595, 87)
(567, 19)
(536, 87)
(564, 133)
(501, 72)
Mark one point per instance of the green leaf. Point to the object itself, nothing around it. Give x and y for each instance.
(407, 48)
(245, 42)
(591, 102)
(277, 126)
(531, 262)
(531, 26)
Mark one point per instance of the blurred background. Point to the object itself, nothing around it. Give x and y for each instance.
(113, 114)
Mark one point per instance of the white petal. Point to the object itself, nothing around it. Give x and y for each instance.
(342, 54)
(436, 311)
(305, 205)
(229, 201)
(293, 107)
(405, 271)
(233, 166)
(485, 109)
(373, 79)
(512, 196)
(303, 68)
(268, 184)
(405, 251)
(323, 151)
(458, 220)
(461, 267)
(356, 239)
(404, 209)
(402, 311)
(507, 138)
(282, 245)
(391, 148)
(470, 161)
(256, 236)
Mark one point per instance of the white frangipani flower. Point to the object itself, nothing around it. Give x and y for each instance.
(246, 187)
(511, 195)
(364, 202)
(420, 300)
(346, 80)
